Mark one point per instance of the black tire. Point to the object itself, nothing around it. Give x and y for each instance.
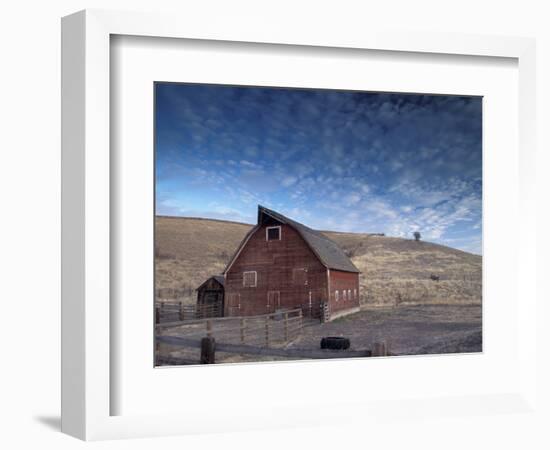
(335, 343)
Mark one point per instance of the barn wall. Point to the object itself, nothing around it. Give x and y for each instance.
(274, 262)
(340, 281)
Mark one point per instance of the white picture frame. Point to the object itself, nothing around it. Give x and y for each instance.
(86, 246)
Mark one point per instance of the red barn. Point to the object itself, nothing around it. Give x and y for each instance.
(282, 264)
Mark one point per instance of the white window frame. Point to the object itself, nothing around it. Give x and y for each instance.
(255, 278)
(344, 295)
(355, 294)
(271, 228)
(336, 295)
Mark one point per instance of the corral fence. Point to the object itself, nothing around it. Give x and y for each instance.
(313, 309)
(318, 309)
(170, 311)
(174, 293)
(268, 335)
(262, 330)
(167, 311)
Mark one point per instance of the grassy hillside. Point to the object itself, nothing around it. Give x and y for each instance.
(394, 270)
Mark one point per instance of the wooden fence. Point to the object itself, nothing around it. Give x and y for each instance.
(262, 330)
(182, 342)
(290, 353)
(169, 311)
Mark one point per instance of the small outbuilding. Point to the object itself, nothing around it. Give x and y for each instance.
(210, 297)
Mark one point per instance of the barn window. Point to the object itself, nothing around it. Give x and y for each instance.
(355, 294)
(349, 294)
(250, 279)
(344, 295)
(336, 295)
(299, 276)
(273, 234)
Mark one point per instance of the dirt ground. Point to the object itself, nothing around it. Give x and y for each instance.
(407, 330)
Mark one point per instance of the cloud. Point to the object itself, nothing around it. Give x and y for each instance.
(350, 161)
(352, 199)
(288, 181)
(249, 165)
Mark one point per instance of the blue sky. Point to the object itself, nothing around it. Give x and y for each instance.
(333, 160)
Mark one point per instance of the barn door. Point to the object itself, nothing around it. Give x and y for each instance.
(233, 304)
(273, 301)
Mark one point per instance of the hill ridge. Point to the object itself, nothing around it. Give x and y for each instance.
(329, 232)
(393, 270)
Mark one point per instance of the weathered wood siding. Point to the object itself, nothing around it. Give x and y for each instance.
(343, 281)
(211, 294)
(287, 266)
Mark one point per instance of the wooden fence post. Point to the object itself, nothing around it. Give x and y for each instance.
(182, 314)
(209, 328)
(286, 326)
(325, 312)
(243, 329)
(379, 349)
(157, 352)
(208, 350)
(267, 331)
(157, 314)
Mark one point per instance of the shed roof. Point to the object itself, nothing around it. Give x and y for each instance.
(219, 278)
(328, 251)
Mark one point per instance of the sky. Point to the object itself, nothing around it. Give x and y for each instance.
(332, 160)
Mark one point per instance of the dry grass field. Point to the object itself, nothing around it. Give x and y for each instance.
(395, 271)
(188, 251)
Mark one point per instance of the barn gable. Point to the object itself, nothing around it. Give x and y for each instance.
(326, 250)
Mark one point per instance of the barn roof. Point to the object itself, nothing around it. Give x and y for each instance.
(219, 278)
(328, 251)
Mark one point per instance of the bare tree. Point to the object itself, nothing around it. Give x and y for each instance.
(417, 236)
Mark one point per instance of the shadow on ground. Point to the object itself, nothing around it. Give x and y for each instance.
(51, 422)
